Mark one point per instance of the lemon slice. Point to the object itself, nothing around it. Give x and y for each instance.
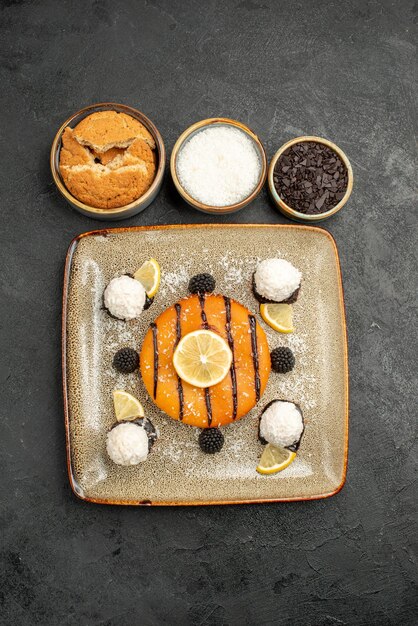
(126, 406)
(278, 316)
(149, 274)
(275, 459)
(202, 358)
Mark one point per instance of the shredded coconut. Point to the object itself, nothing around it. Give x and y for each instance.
(219, 166)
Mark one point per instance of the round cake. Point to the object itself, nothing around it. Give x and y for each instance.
(237, 393)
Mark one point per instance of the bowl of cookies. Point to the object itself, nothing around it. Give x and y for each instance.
(108, 161)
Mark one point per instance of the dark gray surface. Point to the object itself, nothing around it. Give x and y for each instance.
(343, 70)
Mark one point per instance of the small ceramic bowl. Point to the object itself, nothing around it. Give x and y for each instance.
(285, 208)
(118, 213)
(195, 128)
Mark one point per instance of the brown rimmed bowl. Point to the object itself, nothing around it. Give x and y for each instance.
(285, 208)
(117, 213)
(197, 127)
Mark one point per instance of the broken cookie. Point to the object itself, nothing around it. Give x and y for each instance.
(108, 160)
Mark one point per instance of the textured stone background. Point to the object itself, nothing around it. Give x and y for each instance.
(343, 70)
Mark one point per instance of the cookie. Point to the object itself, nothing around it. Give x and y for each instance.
(109, 129)
(106, 157)
(98, 171)
(72, 154)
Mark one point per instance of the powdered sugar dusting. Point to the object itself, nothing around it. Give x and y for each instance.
(175, 282)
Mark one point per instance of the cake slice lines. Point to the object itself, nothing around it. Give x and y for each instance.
(254, 349)
(177, 306)
(231, 345)
(155, 344)
(206, 326)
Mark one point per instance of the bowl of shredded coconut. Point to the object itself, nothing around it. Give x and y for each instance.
(218, 165)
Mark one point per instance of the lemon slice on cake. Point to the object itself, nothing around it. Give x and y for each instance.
(275, 459)
(127, 407)
(202, 358)
(149, 275)
(278, 316)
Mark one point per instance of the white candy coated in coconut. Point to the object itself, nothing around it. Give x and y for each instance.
(127, 444)
(276, 279)
(125, 297)
(281, 424)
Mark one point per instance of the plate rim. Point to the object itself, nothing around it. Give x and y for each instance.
(65, 294)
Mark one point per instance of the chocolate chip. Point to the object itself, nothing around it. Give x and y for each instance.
(310, 177)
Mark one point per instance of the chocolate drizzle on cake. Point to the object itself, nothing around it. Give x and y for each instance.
(203, 312)
(254, 349)
(177, 306)
(206, 326)
(208, 405)
(231, 345)
(155, 345)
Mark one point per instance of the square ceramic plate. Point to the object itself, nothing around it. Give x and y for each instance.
(176, 471)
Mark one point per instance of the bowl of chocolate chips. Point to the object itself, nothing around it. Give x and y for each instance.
(310, 179)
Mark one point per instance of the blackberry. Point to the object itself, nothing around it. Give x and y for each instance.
(211, 440)
(126, 360)
(202, 283)
(282, 360)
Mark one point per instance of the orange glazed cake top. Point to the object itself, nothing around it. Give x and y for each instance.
(237, 393)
